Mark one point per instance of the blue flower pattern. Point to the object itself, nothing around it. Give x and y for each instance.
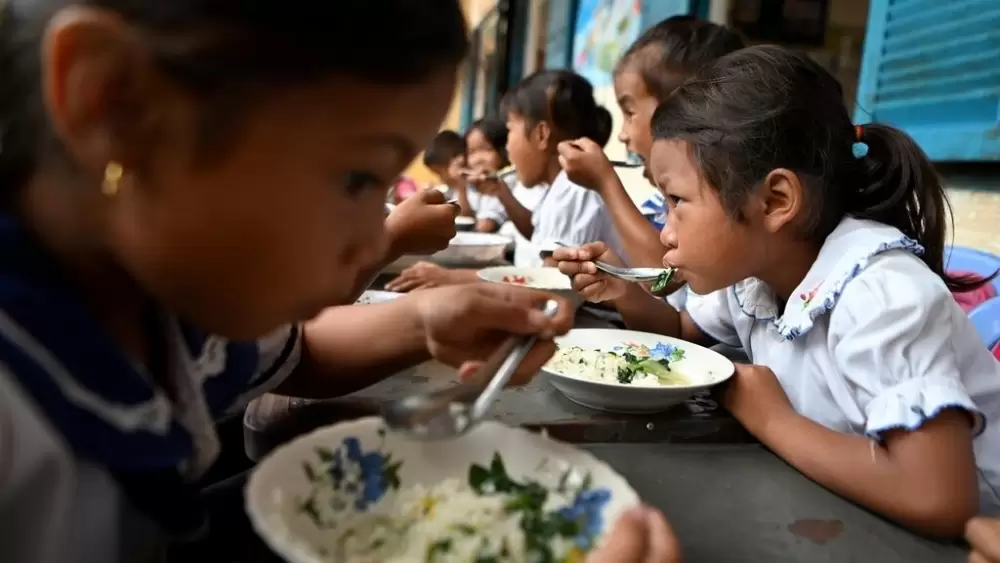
(588, 510)
(660, 351)
(373, 478)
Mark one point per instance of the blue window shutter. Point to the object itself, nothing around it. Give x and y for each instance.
(559, 35)
(930, 68)
(655, 11)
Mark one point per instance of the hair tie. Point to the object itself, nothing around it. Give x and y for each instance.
(860, 148)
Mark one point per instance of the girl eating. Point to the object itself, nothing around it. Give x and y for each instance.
(188, 188)
(652, 67)
(817, 247)
(487, 153)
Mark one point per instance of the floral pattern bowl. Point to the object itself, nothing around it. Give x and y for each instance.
(700, 368)
(355, 486)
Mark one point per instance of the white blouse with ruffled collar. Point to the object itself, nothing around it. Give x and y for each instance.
(870, 341)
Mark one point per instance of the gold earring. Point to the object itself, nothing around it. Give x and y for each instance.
(113, 174)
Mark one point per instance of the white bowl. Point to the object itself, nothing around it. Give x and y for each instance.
(704, 368)
(466, 249)
(279, 490)
(473, 249)
(464, 223)
(548, 279)
(373, 296)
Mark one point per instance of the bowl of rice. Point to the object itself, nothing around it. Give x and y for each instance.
(547, 279)
(355, 492)
(632, 372)
(465, 250)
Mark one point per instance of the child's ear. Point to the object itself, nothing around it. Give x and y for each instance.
(781, 199)
(541, 135)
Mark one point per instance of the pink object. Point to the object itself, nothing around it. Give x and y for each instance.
(405, 187)
(996, 352)
(968, 300)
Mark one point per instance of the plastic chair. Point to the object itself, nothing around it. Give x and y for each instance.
(986, 319)
(962, 259)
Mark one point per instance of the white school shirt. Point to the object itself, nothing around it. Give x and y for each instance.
(524, 254)
(870, 341)
(573, 215)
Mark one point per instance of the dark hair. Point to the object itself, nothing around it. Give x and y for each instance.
(768, 107)
(494, 129)
(564, 100)
(670, 51)
(230, 54)
(445, 146)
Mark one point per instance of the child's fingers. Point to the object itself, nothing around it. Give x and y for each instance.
(662, 546)
(566, 254)
(984, 537)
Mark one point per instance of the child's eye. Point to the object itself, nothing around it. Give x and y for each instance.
(673, 200)
(357, 181)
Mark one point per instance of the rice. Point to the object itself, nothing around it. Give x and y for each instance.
(490, 517)
(632, 366)
(448, 522)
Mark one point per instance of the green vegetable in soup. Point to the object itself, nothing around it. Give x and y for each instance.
(662, 280)
(635, 365)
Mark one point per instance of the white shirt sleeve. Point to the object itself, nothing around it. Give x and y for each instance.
(490, 208)
(896, 333)
(576, 217)
(713, 316)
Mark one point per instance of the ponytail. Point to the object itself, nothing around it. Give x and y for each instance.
(904, 190)
(602, 126)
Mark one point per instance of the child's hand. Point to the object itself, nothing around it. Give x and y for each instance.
(464, 324)
(640, 535)
(422, 275)
(421, 224)
(484, 182)
(984, 539)
(585, 163)
(755, 397)
(594, 286)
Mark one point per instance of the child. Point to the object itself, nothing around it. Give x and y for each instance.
(543, 110)
(446, 157)
(188, 177)
(652, 67)
(817, 246)
(486, 143)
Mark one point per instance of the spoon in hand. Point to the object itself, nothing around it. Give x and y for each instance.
(659, 277)
(453, 411)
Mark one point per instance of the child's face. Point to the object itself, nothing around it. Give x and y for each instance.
(271, 228)
(481, 154)
(526, 149)
(709, 248)
(450, 174)
(637, 106)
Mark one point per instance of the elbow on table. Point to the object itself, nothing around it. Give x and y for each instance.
(942, 517)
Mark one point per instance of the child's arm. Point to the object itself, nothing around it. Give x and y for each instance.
(517, 213)
(348, 348)
(586, 165)
(647, 313)
(925, 479)
(425, 275)
(900, 345)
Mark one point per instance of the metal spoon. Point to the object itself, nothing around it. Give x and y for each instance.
(634, 275)
(453, 411)
(390, 206)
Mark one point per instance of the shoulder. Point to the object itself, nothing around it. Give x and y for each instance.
(898, 282)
